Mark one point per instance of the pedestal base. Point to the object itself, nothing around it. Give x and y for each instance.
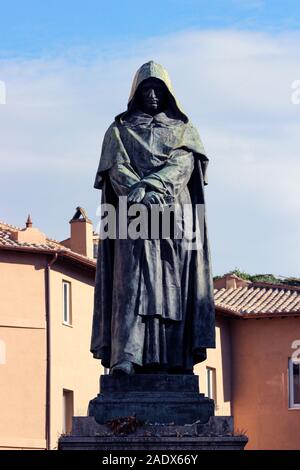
(152, 398)
(217, 434)
(168, 413)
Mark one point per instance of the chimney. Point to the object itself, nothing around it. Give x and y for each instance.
(29, 222)
(230, 281)
(81, 240)
(29, 234)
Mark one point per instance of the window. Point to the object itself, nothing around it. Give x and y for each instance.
(67, 314)
(294, 384)
(211, 383)
(68, 411)
(2, 352)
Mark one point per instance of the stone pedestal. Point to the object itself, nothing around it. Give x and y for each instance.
(170, 412)
(152, 398)
(217, 434)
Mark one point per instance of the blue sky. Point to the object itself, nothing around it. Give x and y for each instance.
(68, 67)
(32, 27)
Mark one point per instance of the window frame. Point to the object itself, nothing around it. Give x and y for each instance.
(292, 404)
(68, 320)
(2, 352)
(211, 385)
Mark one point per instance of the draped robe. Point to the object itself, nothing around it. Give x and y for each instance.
(153, 297)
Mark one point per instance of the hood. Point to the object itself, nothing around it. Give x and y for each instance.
(153, 70)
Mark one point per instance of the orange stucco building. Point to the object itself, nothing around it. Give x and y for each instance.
(48, 374)
(254, 374)
(46, 302)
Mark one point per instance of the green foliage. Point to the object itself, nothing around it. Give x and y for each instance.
(263, 278)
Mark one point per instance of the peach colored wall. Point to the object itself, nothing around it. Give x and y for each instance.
(23, 348)
(219, 359)
(261, 349)
(23, 342)
(73, 367)
(22, 289)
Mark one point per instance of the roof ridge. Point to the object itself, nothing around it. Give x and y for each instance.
(274, 286)
(50, 244)
(14, 227)
(53, 240)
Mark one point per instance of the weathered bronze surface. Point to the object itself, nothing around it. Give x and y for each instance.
(153, 307)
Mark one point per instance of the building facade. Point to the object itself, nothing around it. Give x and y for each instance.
(47, 373)
(254, 372)
(46, 303)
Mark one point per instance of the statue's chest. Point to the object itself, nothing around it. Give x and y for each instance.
(149, 147)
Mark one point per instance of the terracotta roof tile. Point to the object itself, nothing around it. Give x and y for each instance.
(259, 299)
(53, 246)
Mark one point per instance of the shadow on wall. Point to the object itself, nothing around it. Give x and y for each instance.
(226, 358)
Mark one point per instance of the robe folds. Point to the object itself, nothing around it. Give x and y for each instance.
(153, 301)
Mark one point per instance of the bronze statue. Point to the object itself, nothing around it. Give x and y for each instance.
(153, 309)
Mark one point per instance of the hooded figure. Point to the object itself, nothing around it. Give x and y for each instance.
(153, 306)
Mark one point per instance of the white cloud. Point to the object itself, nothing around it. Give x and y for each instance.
(236, 87)
(2, 92)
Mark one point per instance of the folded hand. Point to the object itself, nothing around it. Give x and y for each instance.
(137, 195)
(153, 197)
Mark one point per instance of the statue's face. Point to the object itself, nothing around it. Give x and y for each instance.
(152, 96)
